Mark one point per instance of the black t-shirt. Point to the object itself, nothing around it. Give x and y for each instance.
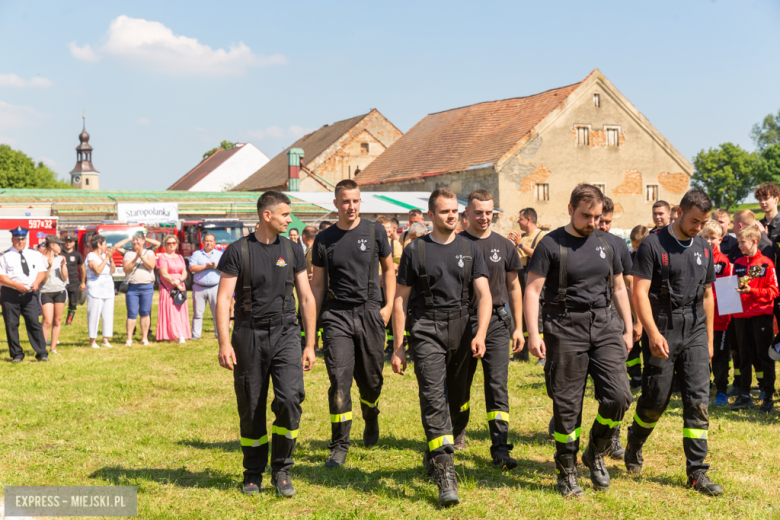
(349, 259)
(500, 257)
(73, 260)
(444, 266)
(687, 266)
(625, 255)
(728, 244)
(268, 265)
(587, 266)
(765, 245)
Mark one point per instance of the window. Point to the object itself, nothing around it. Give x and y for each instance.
(596, 100)
(602, 186)
(613, 136)
(363, 147)
(583, 136)
(542, 192)
(87, 181)
(651, 193)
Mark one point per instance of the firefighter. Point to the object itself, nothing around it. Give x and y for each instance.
(503, 264)
(262, 269)
(345, 260)
(580, 271)
(673, 297)
(436, 278)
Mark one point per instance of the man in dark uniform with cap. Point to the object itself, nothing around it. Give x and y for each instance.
(22, 270)
(581, 273)
(673, 273)
(262, 269)
(77, 275)
(437, 275)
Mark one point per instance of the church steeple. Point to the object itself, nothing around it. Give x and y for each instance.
(84, 175)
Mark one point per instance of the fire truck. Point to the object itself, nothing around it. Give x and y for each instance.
(39, 227)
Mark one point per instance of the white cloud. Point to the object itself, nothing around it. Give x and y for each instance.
(299, 131)
(8, 140)
(12, 80)
(13, 116)
(84, 53)
(143, 121)
(153, 46)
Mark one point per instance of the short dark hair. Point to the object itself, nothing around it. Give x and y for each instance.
(608, 207)
(309, 232)
(697, 199)
(530, 214)
(767, 190)
(293, 229)
(95, 240)
(662, 204)
(269, 199)
(586, 193)
(463, 216)
(395, 221)
(639, 233)
(324, 225)
(346, 184)
(437, 193)
(480, 195)
(415, 211)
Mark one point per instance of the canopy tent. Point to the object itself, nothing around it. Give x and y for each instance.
(377, 202)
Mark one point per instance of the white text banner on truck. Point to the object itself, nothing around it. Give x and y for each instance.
(148, 212)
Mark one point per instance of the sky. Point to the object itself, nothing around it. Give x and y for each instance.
(163, 82)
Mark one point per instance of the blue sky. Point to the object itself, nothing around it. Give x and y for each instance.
(162, 82)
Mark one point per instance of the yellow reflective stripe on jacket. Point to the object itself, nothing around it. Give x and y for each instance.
(341, 417)
(692, 433)
(643, 424)
(465, 406)
(633, 362)
(254, 443)
(498, 416)
(737, 372)
(284, 432)
(607, 422)
(571, 437)
(759, 375)
(438, 442)
(370, 405)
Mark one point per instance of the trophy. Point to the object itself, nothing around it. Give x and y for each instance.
(754, 271)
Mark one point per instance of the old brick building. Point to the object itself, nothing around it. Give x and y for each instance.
(532, 151)
(330, 154)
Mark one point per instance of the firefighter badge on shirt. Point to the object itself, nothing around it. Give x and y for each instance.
(362, 242)
(494, 257)
(281, 262)
(698, 257)
(460, 260)
(601, 252)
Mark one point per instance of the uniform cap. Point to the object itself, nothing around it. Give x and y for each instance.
(19, 231)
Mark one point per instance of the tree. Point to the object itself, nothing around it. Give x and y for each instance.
(769, 164)
(17, 170)
(727, 174)
(767, 133)
(225, 145)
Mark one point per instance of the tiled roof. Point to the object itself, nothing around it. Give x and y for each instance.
(274, 173)
(195, 175)
(459, 139)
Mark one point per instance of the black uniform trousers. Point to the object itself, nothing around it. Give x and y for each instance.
(689, 357)
(495, 367)
(582, 343)
(755, 336)
(441, 341)
(721, 361)
(15, 304)
(268, 350)
(634, 364)
(74, 291)
(353, 345)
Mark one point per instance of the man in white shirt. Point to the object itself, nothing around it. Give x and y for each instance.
(22, 270)
(205, 282)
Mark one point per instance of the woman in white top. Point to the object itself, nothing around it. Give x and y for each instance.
(53, 294)
(100, 290)
(138, 264)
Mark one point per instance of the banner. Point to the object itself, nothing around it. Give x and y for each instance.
(148, 212)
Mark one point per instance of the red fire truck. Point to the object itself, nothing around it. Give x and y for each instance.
(115, 232)
(39, 227)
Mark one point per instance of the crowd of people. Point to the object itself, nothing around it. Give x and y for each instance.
(639, 320)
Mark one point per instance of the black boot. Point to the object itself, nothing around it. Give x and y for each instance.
(338, 457)
(743, 402)
(460, 441)
(501, 458)
(768, 406)
(633, 457)
(428, 464)
(69, 319)
(371, 433)
(615, 449)
(566, 466)
(702, 483)
(444, 476)
(593, 459)
(281, 481)
(252, 484)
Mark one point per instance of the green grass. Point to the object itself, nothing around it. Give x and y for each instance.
(164, 418)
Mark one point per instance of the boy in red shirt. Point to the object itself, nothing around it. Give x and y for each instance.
(713, 234)
(754, 325)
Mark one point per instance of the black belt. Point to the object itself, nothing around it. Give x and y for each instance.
(341, 305)
(438, 314)
(572, 308)
(264, 323)
(678, 310)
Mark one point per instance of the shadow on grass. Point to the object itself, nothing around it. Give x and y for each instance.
(227, 446)
(181, 477)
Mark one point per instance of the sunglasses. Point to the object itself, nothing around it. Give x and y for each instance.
(170, 243)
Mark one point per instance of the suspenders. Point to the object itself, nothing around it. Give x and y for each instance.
(426, 282)
(563, 272)
(372, 266)
(246, 277)
(666, 285)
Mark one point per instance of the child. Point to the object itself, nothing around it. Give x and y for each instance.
(713, 234)
(634, 363)
(754, 325)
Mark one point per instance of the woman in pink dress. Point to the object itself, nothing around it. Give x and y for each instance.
(173, 321)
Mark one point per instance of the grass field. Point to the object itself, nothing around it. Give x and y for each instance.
(164, 418)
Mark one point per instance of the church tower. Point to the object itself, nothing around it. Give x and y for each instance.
(84, 176)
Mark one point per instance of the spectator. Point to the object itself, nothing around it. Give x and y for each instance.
(661, 215)
(415, 231)
(53, 293)
(392, 237)
(294, 235)
(396, 227)
(463, 222)
(324, 225)
(415, 217)
(77, 276)
(173, 320)
(674, 213)
(729, 241)
(746, 218)
(100, 290)
(139, 264)
(307, 239)
(205, 282)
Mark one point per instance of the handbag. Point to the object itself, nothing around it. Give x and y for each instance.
(178, 297)
(125, 285)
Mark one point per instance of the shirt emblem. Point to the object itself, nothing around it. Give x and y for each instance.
(494, 257)
(698, 257)
(362, 242)
(281, 262)
(460, 260)
(601, 252)
(72, 258)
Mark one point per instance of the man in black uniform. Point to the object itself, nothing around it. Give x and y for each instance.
(581, 272)
(503, 265)
(673, 274)
(437, 275)
(346, 259)
(262, 269)
(77, 276)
